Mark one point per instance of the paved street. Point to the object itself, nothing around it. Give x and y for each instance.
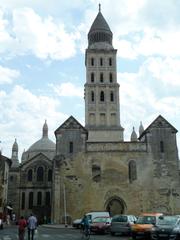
(10, 233)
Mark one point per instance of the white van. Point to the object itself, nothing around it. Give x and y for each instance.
(92, 215)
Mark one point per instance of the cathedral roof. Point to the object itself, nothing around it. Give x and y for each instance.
(100, 24)
(71, 123)
(159, 122)
(100, 32)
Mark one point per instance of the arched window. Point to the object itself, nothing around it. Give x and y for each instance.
(112, 97)
(101, 61)
(92, 77)
(30, 175)
(161, 146)
(110, 77)
(132, 171)
(110, 61)
(92, 61)
(39, 198)
(40, 174)
(23, 201)
(102, 96)
(92, 96)
(48, 199)
(30, 200)
(71, 147)
(101, 77)
(49, 175)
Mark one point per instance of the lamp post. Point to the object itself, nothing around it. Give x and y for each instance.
(65, 214)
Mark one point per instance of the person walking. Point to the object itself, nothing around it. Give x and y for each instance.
(21, 229)
(32, 225)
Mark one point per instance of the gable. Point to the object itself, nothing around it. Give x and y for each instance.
(159, 122)
(40, 158)
(71, 123)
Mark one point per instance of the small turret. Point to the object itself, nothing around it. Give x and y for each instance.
(134, 136)
(45, 130)
(141, 129)
(14, 157)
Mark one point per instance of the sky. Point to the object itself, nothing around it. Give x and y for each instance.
(42, 64)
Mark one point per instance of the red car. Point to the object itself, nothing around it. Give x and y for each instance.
(100, 225)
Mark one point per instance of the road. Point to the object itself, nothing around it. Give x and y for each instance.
(44, 233)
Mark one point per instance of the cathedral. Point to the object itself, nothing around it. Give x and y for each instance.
(92, 167)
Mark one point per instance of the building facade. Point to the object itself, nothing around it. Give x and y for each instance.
(92, 167)
(5, 164)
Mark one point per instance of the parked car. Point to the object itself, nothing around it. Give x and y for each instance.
(1, 223)
(121, 224)
(92, 215)
(100, 225)
(167, 227)
(77, 223)
(144, 224)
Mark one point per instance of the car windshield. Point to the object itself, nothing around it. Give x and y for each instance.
(100, 219)
(119, 219)
(146, 220)
(167, 220)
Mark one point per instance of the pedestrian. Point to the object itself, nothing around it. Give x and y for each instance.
(8, 219)
(32, 225)
(13, 217)
(21, 229)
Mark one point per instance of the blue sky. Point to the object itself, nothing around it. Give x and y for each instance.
(42, 69)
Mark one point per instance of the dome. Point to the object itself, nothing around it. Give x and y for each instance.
(44, 144)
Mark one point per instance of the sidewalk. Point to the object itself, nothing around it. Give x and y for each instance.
(59, 226)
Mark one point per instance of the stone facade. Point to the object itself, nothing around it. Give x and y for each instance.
(5, 164)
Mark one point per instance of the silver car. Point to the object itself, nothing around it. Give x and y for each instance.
(121, 224)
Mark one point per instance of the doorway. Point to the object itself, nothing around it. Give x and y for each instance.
(115, 205)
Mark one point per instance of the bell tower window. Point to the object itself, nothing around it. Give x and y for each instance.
(101, 77)
(92, 96)
(92, 77)
(112, 97)
(101, 61)
(92, 61)
(102, 96)
(110, 61)
(111, 77)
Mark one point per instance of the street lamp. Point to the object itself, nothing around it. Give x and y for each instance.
(65, 213)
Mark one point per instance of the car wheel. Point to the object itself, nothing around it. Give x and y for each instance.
(112, 233)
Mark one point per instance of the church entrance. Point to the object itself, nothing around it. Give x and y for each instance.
(115, 205)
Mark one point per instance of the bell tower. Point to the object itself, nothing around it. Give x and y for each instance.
(102, 112)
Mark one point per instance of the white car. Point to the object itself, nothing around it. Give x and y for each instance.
(77, 223)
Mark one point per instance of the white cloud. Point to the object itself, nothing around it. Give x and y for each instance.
(67, 89)
(23, 114)
(147, 93)
(7, 75)
(42, 37)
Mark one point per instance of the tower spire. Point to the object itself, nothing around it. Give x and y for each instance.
(99, 7)
(45, 129)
